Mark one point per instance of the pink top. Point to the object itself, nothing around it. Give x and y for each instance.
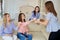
(23, 27)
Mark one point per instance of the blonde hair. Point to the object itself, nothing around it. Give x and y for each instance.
(5, 19)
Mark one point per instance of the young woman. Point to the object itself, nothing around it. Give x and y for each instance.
(23, 31)
(51, 21)
(35, 13)
(6, 30)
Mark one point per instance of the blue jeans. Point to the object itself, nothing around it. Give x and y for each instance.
(22, 36)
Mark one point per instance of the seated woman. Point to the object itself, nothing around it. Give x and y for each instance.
(23, 31)
(35, 13)
(6, 30)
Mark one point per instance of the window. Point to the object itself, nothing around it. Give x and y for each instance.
(1, 9)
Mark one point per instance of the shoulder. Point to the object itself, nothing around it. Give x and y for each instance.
(32, 12)
(19, 23)
(49, 14)
(26, 23)
(12, 23)
(39, 13)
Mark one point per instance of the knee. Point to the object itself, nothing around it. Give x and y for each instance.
(29, 35)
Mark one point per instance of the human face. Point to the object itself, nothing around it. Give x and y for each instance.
(46, 10)
(37, 9)
(23, 16)
(8, 18)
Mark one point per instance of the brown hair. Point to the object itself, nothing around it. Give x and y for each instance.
(20, 17)
(5, 18)
(50, 7)
(35, 10)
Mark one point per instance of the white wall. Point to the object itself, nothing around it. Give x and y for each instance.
(13, 6)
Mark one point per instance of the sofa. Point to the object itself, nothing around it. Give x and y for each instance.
(38, 31)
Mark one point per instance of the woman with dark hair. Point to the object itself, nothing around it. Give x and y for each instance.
(35, 13)
(23, 31)
(51, 21)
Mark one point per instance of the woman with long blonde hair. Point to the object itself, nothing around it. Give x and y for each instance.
(6, 30)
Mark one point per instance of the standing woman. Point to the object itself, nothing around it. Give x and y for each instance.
(6, 30)
(51, 21)
(35, 13)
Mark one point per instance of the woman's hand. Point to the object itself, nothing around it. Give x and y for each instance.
(31, 20)
(42, 20)
(34, 19)
(37, 21)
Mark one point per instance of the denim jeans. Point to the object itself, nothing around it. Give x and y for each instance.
(25, 36)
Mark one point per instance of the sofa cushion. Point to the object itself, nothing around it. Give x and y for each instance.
(38, 36)
(36, 27)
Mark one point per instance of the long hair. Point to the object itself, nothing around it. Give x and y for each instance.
(20, 17)
(5, 19)
(35, 10)
(50, 7)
